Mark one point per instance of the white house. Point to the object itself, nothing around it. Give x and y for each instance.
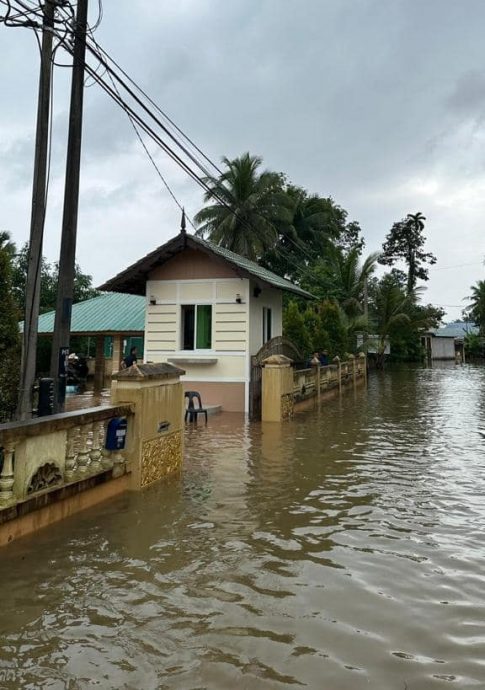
(207, 311)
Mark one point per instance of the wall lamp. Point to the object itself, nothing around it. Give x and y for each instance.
(239, 298)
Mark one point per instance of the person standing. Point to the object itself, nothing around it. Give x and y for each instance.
(131, 358)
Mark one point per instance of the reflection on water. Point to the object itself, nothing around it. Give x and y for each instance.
(343, 550)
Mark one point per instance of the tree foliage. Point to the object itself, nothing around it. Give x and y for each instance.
(257, 214)
(397, 317)
(405, 242)
(309, 239)
(83, 284)
(316, 328)
(476, 309)
(244, 207)
(9, 332)
(342, 276)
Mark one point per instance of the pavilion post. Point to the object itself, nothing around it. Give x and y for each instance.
(99, 363)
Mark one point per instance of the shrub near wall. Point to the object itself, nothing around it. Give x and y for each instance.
(9, 339)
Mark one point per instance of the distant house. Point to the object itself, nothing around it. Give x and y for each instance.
(207, 310)
(438, 347)
(449, 341)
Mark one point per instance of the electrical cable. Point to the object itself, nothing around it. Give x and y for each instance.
(209, 184)
(152, 160)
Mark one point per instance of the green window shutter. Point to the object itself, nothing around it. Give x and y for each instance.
(204, 327)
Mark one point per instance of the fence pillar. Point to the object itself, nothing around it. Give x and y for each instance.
(7, 496)
(117, 353)
(336, 360)
(277, 389)
(363, 363)
(352, 361)
(155, 435)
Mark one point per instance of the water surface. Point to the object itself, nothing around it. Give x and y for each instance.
(340, 551)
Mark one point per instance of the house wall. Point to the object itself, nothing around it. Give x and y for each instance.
(272, 299)
(193, 278)
(442, 348)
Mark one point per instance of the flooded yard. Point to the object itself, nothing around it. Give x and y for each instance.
(342, 550)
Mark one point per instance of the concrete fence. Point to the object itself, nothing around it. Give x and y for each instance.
(284, 389)
(51, 467)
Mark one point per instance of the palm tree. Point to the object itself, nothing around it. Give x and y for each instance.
(306, 228)
(247, 207)
(477, 305)
(6, 243)
(391, 309)
(416, 222)
(341, 276)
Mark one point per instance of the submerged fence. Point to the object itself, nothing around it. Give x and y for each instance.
(284, 388)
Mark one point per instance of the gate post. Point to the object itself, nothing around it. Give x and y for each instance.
(277, 389)
(155, 437)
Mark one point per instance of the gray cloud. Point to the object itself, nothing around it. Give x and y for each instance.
(378, 104)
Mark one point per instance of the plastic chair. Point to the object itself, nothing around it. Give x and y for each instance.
(191, 411)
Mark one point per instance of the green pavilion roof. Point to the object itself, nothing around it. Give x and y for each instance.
(133, 278)
(112, 312)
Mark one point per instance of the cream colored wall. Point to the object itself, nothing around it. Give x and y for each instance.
(271, 298)
(236, 326)
(230, 327)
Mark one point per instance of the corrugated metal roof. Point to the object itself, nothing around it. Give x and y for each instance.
(133, 278)
(112, 312)
(457, 329)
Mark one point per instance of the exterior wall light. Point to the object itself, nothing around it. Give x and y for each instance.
(153, 299)
(238, 298)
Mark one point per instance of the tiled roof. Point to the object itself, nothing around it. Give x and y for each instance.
(252, 267)
(112, 312)
(133, 278)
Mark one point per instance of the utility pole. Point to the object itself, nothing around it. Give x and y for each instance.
(37, 220)
(67, 261)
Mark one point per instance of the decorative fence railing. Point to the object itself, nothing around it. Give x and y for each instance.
(48, 453)
(284, 387)
(315, 380)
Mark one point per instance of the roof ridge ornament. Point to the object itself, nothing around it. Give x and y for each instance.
(183, 225)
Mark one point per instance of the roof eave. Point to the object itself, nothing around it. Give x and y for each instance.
(132, 280)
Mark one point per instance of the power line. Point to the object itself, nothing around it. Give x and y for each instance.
(208, 183)
(446, 268)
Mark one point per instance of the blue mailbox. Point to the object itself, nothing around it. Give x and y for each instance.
(116, 434)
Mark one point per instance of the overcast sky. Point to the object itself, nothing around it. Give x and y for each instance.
(378, 103)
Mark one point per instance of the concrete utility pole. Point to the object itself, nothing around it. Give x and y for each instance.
(32, 289)
(67, 261)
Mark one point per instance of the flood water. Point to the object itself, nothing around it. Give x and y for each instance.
(340, 551)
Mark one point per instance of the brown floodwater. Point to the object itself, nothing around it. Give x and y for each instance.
(340, 551)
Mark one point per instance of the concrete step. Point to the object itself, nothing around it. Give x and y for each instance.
(211, 409)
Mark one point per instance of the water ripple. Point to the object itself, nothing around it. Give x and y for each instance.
(342, 550)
